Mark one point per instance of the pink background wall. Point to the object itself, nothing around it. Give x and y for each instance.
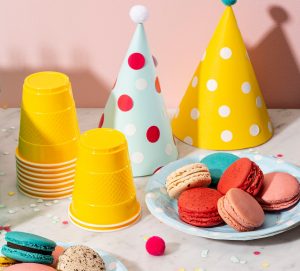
(88, 39)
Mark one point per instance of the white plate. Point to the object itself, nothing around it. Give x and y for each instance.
(165, 209)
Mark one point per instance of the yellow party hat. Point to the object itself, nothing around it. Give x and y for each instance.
(223, 107)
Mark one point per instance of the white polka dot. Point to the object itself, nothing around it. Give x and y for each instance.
(254, 130)
(141, 84)
(150, 195)
(129, 129)
(188, 140)
(169, 149)
(203, 56)
(270, 127)
(212, 85)
(246, 87)
(224, 111)
(195, 81)
(225, 53)
(195, 113)
(258, 102)
(137, 157)
(226, 135)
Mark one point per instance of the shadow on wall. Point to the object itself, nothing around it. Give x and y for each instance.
(88, 89)
(275, 65)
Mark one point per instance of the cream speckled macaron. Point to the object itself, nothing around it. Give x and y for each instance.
(192, 175)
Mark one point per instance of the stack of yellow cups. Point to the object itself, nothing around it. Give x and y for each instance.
(48, 138)
(104, 197)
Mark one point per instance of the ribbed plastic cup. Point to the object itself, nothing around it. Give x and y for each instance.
(104, 196)
(49, 130)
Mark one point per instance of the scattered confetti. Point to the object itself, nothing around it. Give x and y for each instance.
(256, 253)
(199, 269)
(48, 204)
(234, 259)
(54, 221)
(11, 193)
(56, 201)
(5, 228)
(36, 209)
(204, 253)
(49, 215)
(265, 265)
(39, 201)
(279, 155)
(12, 211)
(243, 261)
(32, 205)
(55, 217)
(2, 206)
(12, 127)
(3, 130)
(181, 269)
(2, 173)
(5, 153)
(65, 222)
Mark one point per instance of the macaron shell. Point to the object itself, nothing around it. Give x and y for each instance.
(281, 206)
(29, 267)
(198, 207)
(278, 187)
(243, 174)
(217, 163)
(26, 257)
(56, 253)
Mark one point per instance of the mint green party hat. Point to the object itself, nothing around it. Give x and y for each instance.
(136, 106)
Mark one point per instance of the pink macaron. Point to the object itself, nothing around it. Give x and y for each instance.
(29, 267)
(240, 210)
(280, 190)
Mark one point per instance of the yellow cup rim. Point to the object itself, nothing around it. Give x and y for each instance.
(43, 197)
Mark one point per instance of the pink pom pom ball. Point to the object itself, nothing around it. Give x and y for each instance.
(155, 246)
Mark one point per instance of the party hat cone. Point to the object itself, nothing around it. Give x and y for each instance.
(223, 107)
(136, 107)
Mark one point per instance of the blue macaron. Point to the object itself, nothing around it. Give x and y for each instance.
(217, 163)
(27, 247)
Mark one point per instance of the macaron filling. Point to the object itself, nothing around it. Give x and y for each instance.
(253, 181)
(28, 249)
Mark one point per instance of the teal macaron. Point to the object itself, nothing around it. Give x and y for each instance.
(217, 163)
(27, 247)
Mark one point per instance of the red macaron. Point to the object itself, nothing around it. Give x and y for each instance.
(243, 174)
(198, 207)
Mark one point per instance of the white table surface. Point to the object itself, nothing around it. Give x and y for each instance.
(183, 251)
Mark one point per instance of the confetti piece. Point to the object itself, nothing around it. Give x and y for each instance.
(36, 209)
(256, 252)
(279, 155)
(3, 130)
(65, 222)
(181, 269)
(243, 261)
(39, 201)
(199, 269)
(2, 173)
(146, 237)
(56, 201)
(234, 259)
(11, 193)
(48, 204)
(204, 253)
(5, 228)
(265, 265)
(5, 153)
(49, 215)
(55, 217)
(11, 211)
(32, 205)
(2, 206)
(12, 127)
(54, 221)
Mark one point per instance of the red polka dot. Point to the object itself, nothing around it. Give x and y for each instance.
(136, 61)
(157, 85)
(125, 103)
(153, 134)
(101, 121)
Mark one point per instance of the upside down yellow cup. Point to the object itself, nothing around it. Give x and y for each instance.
(49, 130)
(104, 196)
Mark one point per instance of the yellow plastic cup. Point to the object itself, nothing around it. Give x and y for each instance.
(104, 197)
(49, 130)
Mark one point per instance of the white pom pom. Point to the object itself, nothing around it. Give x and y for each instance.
(139, 14)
